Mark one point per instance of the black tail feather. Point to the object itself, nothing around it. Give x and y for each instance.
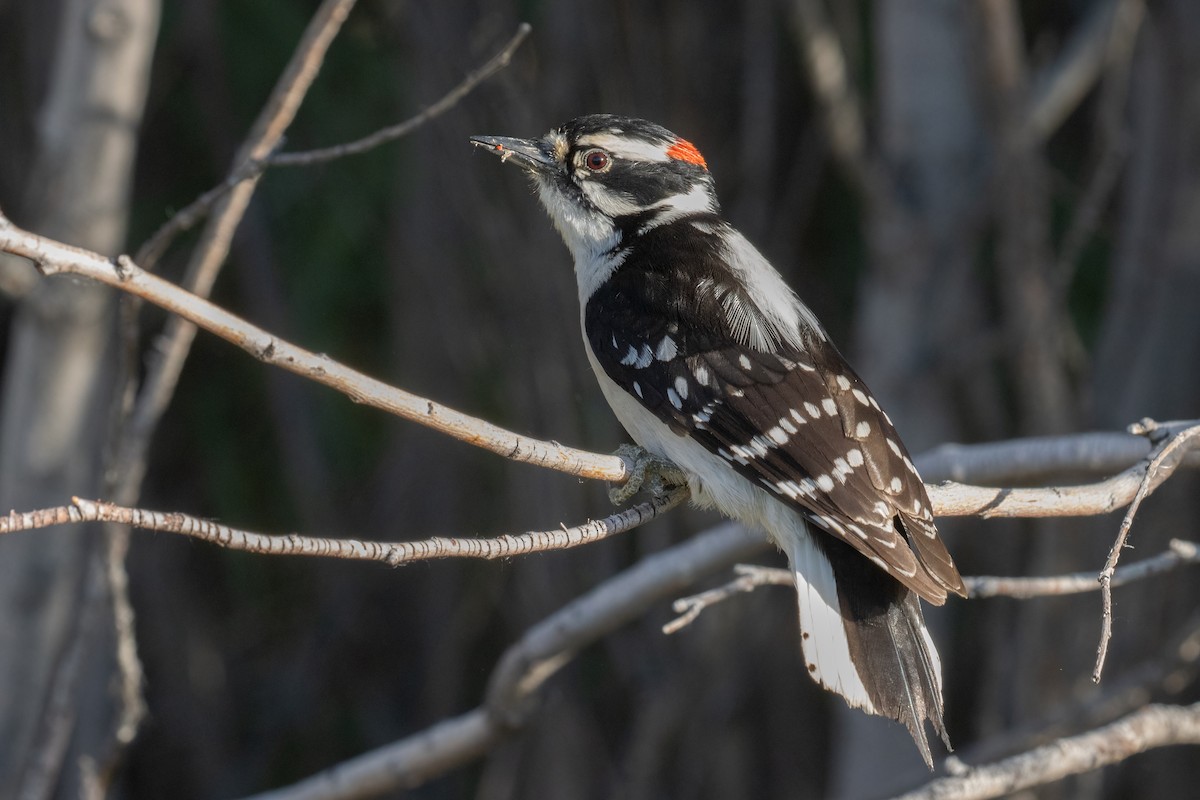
(889, 644)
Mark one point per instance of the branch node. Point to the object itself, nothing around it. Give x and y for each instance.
(956, 766)
(124, 267)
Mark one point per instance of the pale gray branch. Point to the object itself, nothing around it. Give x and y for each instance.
(1145, 729)
(958, 500)
(1180, 553)
(54, 257)
(1037, 459)
(391, 553)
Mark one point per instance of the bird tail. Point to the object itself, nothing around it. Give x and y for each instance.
(863, 635)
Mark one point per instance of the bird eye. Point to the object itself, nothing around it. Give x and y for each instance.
(596, 160)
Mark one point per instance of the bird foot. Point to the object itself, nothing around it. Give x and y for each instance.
(653, 473)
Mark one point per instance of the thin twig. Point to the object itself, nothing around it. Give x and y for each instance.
(1181, 552)
(391, 553)
(183, 220)
(393, 132)
(750, 577)
(1158, 470)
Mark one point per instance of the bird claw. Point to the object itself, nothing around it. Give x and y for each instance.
(653, 473)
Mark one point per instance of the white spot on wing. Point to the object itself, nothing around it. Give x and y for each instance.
(863, 429)
(829, 406)
(666, 349)
(825, 482)
(681, 387)
(630, 358)
(674, 398)
(841, 469)
(812, 410)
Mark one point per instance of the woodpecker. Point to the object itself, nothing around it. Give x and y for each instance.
(711, 362)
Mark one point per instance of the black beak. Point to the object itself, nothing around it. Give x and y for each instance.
(530, 154)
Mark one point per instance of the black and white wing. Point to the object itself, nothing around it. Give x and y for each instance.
(795, 420)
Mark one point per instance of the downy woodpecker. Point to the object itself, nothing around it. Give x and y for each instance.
(711, 362)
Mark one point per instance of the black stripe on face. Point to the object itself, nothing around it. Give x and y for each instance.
(645, 183)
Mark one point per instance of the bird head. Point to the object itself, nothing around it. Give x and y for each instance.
(604, 178)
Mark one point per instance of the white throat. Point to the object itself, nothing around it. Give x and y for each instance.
(590, 237)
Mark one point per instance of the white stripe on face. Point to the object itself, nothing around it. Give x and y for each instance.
(632, 149)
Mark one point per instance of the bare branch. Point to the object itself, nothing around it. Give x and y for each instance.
(393, 132)
(524, 668)
(1036, 459)
(1164, 462)
(1107, 35)
(54, 257)
(958, 500)
(750, 577)
(1169, 672)
(391, 553)
(1145, 729)
(1181, 552)
(405, 764)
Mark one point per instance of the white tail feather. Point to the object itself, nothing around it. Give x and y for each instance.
(822, 629)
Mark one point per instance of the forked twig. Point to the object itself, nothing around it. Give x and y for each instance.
(393, 132)
(1158, 470)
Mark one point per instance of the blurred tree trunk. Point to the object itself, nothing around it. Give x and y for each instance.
(61, 373)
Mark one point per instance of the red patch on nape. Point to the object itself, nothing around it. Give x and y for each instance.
(684, 150)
